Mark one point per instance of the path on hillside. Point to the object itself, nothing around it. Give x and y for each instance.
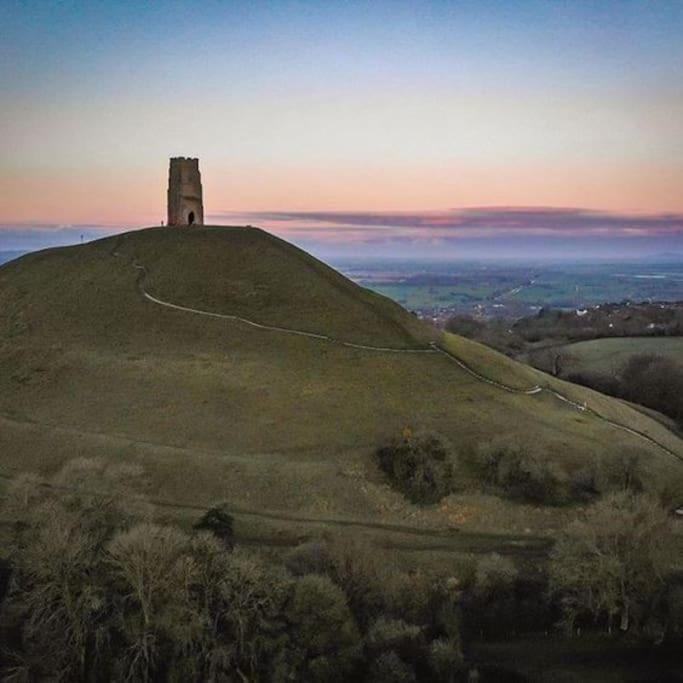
(433, 348)
(448, 539)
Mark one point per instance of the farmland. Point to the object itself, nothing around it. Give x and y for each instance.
(500, 289)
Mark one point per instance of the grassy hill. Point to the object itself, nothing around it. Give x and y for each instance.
(276, 423)
(609, 355)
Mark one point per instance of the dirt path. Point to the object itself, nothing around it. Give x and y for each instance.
(445, 539)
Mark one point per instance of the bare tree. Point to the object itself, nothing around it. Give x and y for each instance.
(153, 568)
(60, 527)
(611, 562)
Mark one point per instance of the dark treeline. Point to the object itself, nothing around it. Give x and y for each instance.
(552, 325)
(626, 319)
(97, 589)
(647, 379)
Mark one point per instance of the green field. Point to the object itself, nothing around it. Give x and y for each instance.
(513, 290)
(277, 424)
(418, 297)
(609, 355)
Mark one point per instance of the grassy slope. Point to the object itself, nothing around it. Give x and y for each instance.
(500, 368)
(249, 273)
(216, 409)
(608, 355)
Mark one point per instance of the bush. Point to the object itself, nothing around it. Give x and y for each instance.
(219, 522)
(583, 483)
(623, 472)
(522, 473)
(419, 466)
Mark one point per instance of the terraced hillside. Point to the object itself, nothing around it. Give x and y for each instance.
(233, 366)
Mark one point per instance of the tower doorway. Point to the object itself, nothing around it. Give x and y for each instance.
(190, 218)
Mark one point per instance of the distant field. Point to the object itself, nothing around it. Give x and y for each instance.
(608, 355)
(415, 297)
(501, 289)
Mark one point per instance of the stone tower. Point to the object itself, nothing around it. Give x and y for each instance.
(185, 205)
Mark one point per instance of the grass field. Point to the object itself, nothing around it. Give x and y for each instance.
(417, 297)
(609, 355)
(214, 409)
(516, 289)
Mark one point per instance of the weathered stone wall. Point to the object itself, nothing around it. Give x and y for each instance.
(185, 205)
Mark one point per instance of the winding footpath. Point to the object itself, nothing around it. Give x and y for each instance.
(432, 348)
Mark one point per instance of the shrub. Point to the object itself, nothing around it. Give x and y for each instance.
(623, 472)
(583, 483)
(219, 522)
(522, 473)
(419, 466)
(531, 477)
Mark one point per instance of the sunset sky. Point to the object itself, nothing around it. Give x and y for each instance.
(350, 123)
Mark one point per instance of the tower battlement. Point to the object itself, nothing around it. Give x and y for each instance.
(185, 203)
